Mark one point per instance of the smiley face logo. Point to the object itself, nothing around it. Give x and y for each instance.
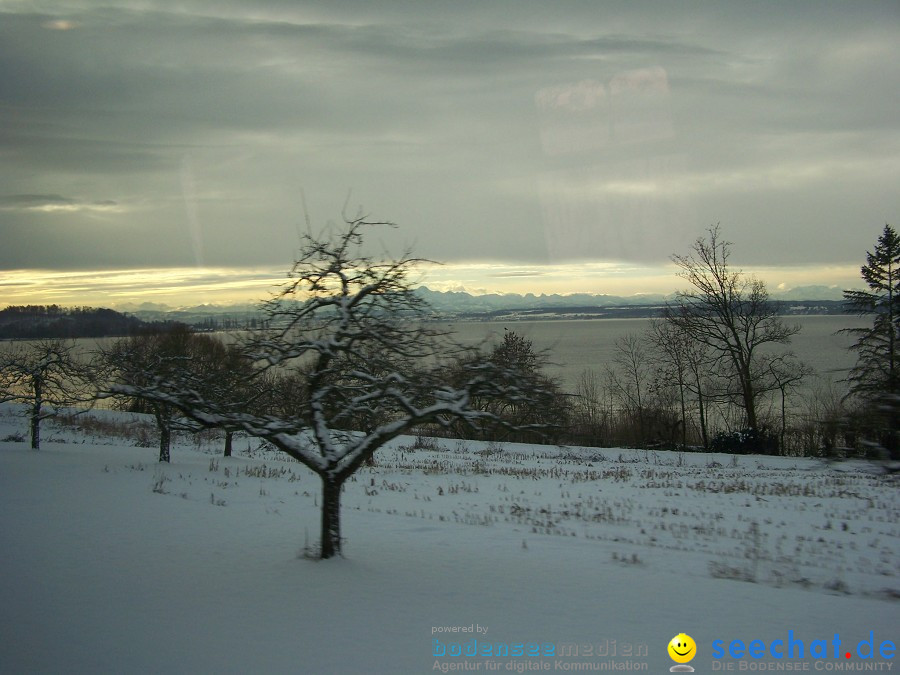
(682, 648)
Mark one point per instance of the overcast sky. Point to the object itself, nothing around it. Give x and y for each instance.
(149, 147)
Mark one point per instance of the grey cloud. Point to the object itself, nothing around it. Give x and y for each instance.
(53, 203)
(513, 274)
(427, 110)
(28, 201)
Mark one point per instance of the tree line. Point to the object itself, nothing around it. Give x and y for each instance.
(715, 371)
(38, 322)
(348, 361)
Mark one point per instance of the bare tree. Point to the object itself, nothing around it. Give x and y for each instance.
(685, 364)
(672, 364)
(591, 419)
(229, 376)
(143, 361)
(629, 378)
(356, 326)
(786, 372)
(45, 375)
(730, 313)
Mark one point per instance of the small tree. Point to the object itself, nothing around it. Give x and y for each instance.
(730, 313)
(786, 372)
(590, 416)
(516, 352)
(358, 330)
(545, 409)
(684, 364)
(146, 360)
(228, 376)
(44, 375)
(541, 414)
(629, 379)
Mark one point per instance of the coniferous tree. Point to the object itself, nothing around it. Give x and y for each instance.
(877, 370)
(876, 377)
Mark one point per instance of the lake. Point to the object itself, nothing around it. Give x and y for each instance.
(576, 345)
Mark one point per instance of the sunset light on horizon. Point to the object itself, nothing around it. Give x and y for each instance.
(128, 290)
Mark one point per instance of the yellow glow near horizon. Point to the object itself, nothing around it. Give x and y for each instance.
(614, 278)
(120, 288)
(180, 287)
(59, 24)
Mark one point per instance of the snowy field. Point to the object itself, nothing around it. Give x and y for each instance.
(572, 559)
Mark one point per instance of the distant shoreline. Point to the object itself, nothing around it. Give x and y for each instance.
(783, 307)
(84, 322)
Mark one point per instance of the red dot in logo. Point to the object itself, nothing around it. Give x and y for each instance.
(847, 655)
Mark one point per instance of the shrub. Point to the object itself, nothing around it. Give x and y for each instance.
(745, 442)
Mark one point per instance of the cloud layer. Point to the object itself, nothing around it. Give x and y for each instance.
(134, 135)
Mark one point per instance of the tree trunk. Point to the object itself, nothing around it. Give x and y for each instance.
(36, 427)
(892, 333)
(165, 440)
(783, 419)
(749, 398)
(36, 414)
(229, 436)
(331, 516)
(162, 416)
(751, 413)
(702, 412)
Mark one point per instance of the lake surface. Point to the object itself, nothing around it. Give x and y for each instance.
(574, 346)
(577, 345)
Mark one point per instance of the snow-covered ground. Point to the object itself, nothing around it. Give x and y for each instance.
(112, 563)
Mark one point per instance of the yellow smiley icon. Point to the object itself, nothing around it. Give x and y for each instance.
(682, 648)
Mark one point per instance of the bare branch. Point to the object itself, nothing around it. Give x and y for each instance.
(348, 361)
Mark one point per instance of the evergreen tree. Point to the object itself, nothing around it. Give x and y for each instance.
(516, 351)
(877, 370)
(876, 377)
